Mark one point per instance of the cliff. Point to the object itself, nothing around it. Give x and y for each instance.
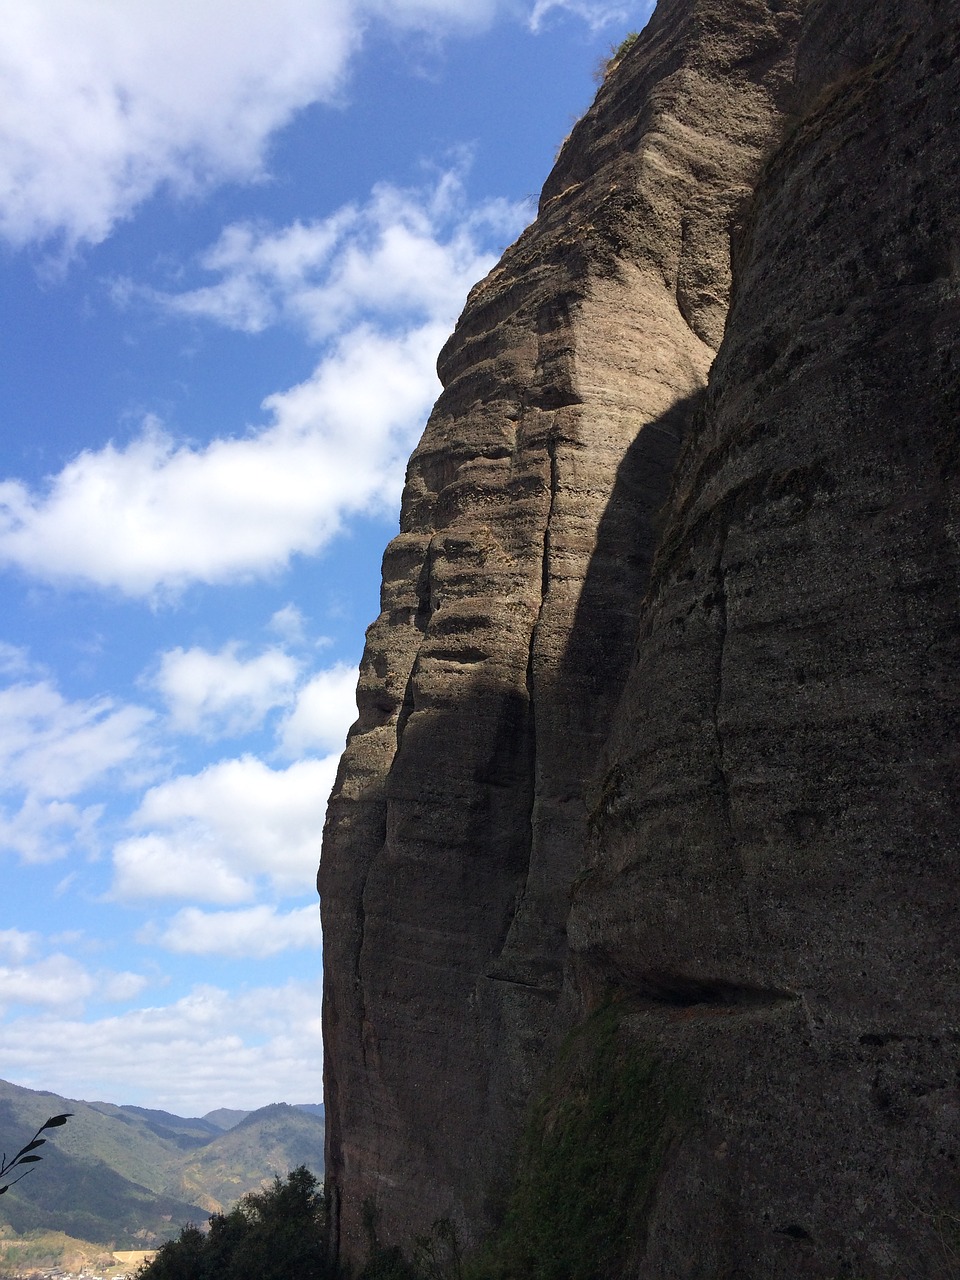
(675, 736)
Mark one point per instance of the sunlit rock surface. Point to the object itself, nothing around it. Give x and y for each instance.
(760, 843)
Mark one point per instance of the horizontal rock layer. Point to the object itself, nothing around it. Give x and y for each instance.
(774, 887)
(509, 615)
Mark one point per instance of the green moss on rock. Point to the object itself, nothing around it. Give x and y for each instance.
(591, 1158)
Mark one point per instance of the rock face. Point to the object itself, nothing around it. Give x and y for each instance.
(772, 856)
(775, 880)
(459, 820)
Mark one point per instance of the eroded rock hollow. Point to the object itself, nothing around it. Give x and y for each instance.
(661, 707)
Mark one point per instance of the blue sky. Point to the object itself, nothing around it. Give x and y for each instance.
(233, 237)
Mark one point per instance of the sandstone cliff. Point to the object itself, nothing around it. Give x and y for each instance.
(776, 864)
(765, 883)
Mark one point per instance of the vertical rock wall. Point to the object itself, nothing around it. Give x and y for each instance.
(774, 888)
(509, 616)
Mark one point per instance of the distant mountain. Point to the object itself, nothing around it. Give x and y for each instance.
(132, 1176)
(225, 1118)
(312, 1108)
(275, 1139)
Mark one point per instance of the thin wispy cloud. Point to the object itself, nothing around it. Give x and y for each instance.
(57, 747)
(598, 13)
(53, 752)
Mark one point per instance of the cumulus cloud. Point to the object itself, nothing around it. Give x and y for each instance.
(107, 102)
(210, 1048)
(222, 693)
(325, 709)
(158, 514)
(238, 508)
(255, 932)
(216, 835)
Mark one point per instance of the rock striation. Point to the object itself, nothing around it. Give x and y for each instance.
(775, 872)
(681, 734)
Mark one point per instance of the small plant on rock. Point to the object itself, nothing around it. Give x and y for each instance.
(606, 65)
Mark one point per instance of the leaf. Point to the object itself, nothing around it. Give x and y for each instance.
(30, 1159)
(3, 1189)
(55, 1121)
(37, 1142)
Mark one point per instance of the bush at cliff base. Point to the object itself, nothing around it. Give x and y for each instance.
(276, 1234)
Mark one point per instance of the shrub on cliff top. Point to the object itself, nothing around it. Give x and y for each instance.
(613, 57)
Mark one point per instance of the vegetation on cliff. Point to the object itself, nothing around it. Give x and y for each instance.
(592, 1152)
(595, 1140)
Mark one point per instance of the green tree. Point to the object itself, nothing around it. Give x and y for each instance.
(180, 1259)
(275, 1234)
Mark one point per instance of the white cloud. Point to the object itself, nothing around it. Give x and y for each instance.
(325, 709)
(254, 932)
(45, 830)
(289, 624)
(213, 836)
(209, 1049)
(14, 660)
(221, 693)
(51, 751)
(404, 254)
(57, 748)
(56, 982)
(118, 988)
(239, 508)
(156, 515)
(187, 863)
(106, 103)
(467, 15)
(16, 945)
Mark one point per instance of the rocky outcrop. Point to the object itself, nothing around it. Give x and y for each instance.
(774, 891)
(745, 783)
(509, 615)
